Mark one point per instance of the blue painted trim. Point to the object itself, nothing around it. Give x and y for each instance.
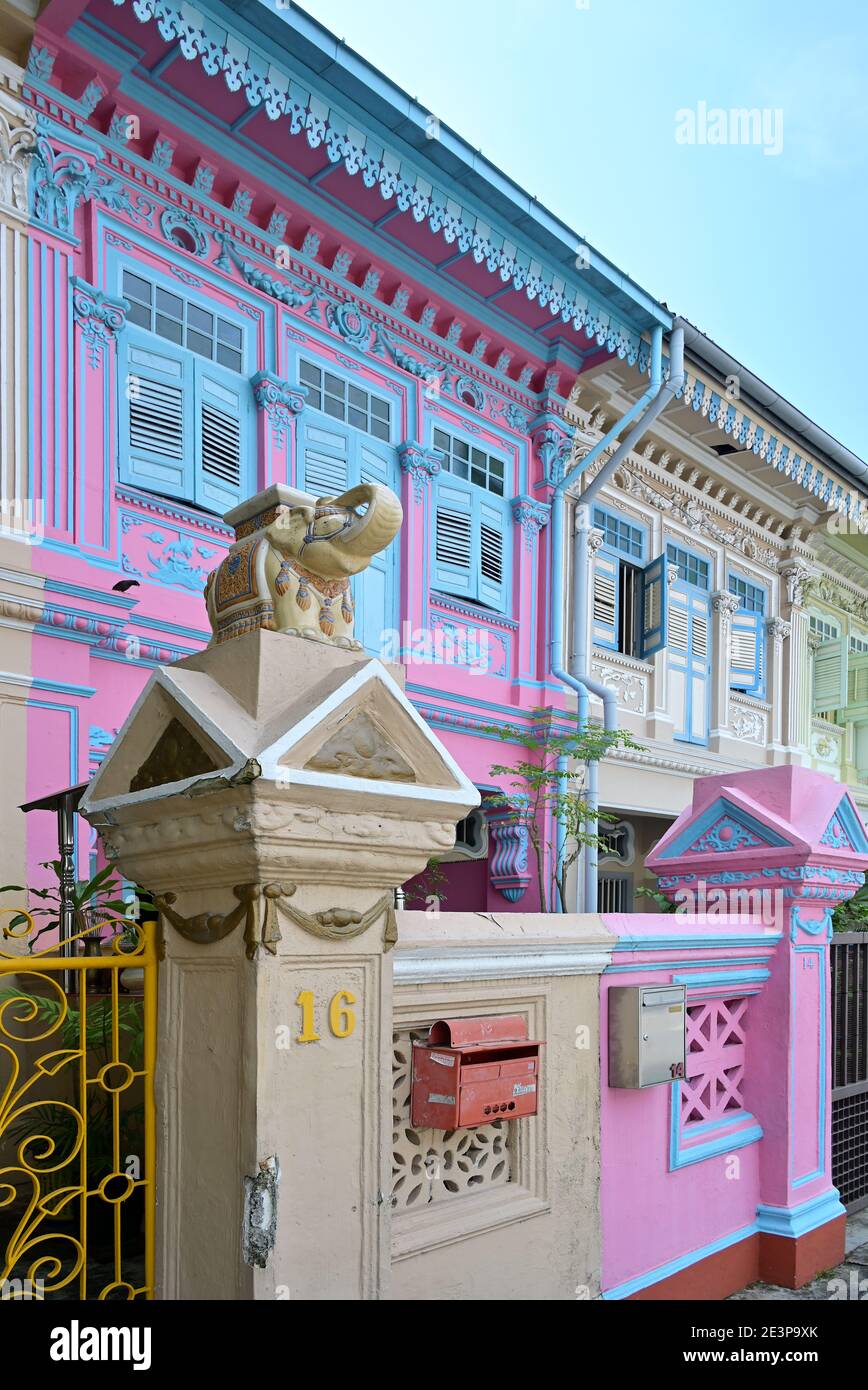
(670, 965)
(654, 1276)
(41, 683)
(61, 586)
(727, 1141)
(688, 943)
(798, 1221)
(721, 977)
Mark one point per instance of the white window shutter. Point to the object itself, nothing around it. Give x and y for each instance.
(830, 676)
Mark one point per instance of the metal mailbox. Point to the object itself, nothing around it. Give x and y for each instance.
(646, 1035)
(471, 1071)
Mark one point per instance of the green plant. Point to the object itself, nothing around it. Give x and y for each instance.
(540, 795)
(853, 914)
(97, 898)
(664, 904)
(431, 883)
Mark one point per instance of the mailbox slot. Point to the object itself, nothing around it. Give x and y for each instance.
(646, 1035)
(471, 1071)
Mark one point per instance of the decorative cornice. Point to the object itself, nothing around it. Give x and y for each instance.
(828, 591)
(283, 99)
(99, 317)
(682, 507)
(419, 463)
(732, 419)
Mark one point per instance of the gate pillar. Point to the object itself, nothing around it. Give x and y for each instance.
(785, 845)
(272, 792)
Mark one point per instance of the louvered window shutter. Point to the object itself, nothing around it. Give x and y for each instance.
(374, 588)
(492, 553)
(857, 680)
(453, 539)
(830, 676)
(655, 607)
(605, 600)
(326, 455)
(221, 419)
(156, 406)
(746, 653)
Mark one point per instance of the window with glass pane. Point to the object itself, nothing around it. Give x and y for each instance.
(620, 534)
(750, 596)
(691, 569)
(183, 322)
(343, 400)
(467, 461)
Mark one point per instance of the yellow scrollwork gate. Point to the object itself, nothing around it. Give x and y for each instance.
(77, 1135)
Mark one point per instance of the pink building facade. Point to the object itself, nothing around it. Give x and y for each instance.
(236, 279)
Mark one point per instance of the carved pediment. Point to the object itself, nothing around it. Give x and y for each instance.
(361, 749)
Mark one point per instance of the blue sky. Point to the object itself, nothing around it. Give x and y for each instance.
(578, 101)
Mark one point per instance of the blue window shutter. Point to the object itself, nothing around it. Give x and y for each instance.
(700, 666)
(830, 676)
(493, 559)
(374, 588)
(655, 607)
(222, 437)
(604, 611)
(678, 659)
(453, 538)
(157, 446)
(325, 461)
(746, 659)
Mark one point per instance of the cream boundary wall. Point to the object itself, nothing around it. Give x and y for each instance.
(539, 1235)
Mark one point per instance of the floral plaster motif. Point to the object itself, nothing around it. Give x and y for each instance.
(99, 317)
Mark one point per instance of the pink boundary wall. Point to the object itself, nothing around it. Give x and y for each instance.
(753, 1157)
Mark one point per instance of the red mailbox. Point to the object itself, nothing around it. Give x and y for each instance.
(474, 1070)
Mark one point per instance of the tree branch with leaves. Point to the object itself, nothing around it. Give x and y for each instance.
(539, 796)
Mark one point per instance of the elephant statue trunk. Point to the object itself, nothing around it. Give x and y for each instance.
(290, 564)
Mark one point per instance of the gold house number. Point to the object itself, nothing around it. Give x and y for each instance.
(342, 1019)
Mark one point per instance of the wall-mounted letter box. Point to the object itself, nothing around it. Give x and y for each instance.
(646, 1034)
(474, 1070)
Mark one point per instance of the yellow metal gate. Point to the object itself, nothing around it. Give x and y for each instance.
(77, 1135)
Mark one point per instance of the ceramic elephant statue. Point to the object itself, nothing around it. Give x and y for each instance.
(290, 566)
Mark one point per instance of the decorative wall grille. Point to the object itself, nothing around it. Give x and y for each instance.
(434, 1165)
(715, 1061)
